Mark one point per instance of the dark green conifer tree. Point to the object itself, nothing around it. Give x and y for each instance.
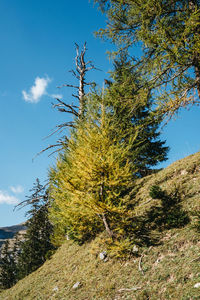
(169, 35)
(37, 240)
(8, 266)
(132, 107)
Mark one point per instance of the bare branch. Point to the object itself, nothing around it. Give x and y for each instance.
(74, 74)
(49, 147)
(81, 69)
(60, 128)
(61, 106)
(57, 150)
(75, 96)
(64, 104)
(90, 83)
(131, 289)
(29, 201)
(67, 124)
(91, 68)
(68, 85)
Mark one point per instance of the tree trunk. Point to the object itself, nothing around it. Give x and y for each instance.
(103, 216)
(109, 231)
(81, 91)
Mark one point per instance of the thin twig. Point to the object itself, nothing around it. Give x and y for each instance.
(195, 259)
(49, 147)
(131, 289)
(60, 128)
(81, 68)
(68, 85)
(29, 201)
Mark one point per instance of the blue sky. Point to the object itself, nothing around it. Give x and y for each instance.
(37, 50)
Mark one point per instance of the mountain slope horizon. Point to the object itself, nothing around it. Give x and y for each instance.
(8, 232)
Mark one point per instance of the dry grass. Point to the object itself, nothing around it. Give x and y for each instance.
(170, 269)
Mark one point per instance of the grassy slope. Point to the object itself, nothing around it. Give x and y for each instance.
(170, 269)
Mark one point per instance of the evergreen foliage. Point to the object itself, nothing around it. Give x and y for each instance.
(116, 142)
(37, 243)
(28, 252)
(169, 32)
(132, 107)
(92, 185)
(8, 268)
(93, 178)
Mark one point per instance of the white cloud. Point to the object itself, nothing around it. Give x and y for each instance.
(7, 199)
(37, 90)
(59, 96)
(17, 189)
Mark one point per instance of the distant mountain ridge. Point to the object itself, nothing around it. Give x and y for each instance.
(9, 232)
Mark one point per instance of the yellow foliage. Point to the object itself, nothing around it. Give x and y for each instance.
(92, 177)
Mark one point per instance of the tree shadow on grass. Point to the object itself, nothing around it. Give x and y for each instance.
(165, 215)
(170, 213)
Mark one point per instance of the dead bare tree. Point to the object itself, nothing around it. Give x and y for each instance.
(78, 111)
(82, 67)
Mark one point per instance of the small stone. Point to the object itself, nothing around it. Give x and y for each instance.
(55, 289)
(197, 285)
(77, 285)
(103, 255)
(184, 172)
(67, 237)
(135, 249)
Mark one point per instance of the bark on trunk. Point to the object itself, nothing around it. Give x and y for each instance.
(109, 231)
(81, 94)
(81, 70)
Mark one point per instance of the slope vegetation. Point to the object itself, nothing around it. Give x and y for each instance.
(168, 268)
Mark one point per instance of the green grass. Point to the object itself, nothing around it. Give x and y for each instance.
(170, 267)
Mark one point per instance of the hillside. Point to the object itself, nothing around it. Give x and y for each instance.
(169, 268)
